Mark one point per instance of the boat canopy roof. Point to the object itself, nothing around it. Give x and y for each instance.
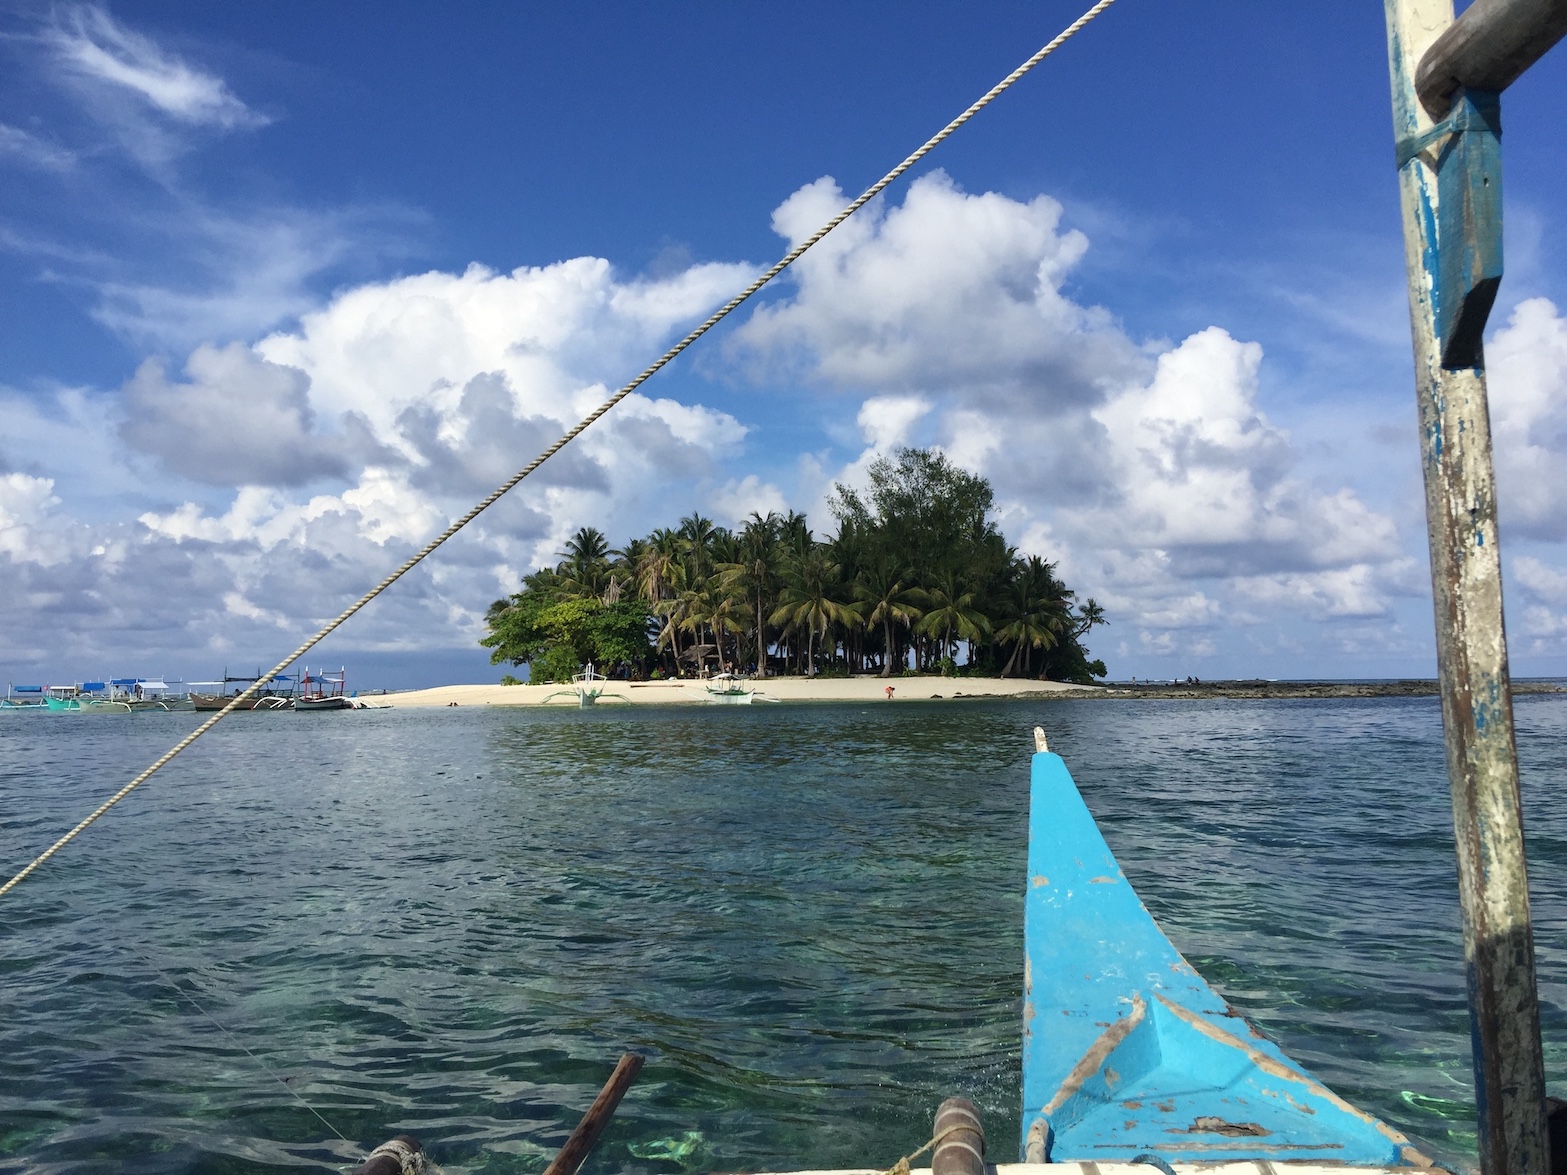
(233, 680)
(27, 689)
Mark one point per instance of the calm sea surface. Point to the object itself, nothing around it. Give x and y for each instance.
(451, 922)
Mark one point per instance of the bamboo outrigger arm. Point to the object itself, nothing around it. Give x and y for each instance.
(1450, 187)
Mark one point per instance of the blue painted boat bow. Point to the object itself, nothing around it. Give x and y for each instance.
(1127, 1051)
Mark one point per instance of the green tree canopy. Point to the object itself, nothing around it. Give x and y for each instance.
(917, 573)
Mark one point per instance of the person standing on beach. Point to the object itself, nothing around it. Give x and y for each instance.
(889, 693)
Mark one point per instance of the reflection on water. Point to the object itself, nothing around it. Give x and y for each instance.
(451, 922)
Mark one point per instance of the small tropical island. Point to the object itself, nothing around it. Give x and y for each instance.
(916, 580)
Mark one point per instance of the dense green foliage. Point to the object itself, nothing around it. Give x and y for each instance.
(916, 574)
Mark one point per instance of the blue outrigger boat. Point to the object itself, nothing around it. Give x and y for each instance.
(1127, 1053)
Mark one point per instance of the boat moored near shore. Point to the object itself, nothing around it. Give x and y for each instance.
(23, 697)
(322, 691)
(730, 689)
(277, 694)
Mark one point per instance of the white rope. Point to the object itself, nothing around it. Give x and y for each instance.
(495, 495)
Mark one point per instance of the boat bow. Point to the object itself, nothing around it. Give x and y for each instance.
(1127, 1051)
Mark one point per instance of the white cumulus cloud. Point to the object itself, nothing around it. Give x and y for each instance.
(338, 448)
(301, 468)
(1526, 365)
(1153, 475)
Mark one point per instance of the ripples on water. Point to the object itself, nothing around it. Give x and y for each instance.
(450, 922)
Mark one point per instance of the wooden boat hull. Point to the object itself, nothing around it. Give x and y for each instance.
(1127, 1051)
(218, 701)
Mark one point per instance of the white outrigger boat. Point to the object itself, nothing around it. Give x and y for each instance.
(587, 687)
(322, 691)
(145, 693)
(730, 689)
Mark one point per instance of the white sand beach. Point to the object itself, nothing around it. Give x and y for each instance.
(783, 689)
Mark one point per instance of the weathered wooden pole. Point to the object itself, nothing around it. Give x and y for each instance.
(587, 1133)
(1453, 263)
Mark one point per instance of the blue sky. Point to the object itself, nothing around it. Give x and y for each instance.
(1155, 293)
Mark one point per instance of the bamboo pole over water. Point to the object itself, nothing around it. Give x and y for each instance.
(586, 1135)
(1466, 577)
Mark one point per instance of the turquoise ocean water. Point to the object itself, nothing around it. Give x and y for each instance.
(451, 922)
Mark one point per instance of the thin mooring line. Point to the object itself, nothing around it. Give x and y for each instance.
(500, 491)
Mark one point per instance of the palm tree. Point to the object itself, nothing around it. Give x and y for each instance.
(623, 568)
(794, 535)
(952, 612)
(675, 610)
(1034, 623)
(697, 535)
(754, 574)
(659, 566)
(1038, 608)
(1089, 614)
(585, 566)
(588, 545)
(885, 598)
(629, 557)
(806, 601)
(722, 612)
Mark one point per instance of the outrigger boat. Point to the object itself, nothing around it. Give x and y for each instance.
(323, 692)
(587, 687)
(90, 696)
(1129, 1057)
(277, 694)
(121, 695)
(23, 697)
(145, 693)
(729, 689)
(1127, 1051)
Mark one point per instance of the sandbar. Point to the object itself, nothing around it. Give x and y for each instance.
(783, 689)
(690, 691)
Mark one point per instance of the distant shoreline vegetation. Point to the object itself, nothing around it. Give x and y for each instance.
(915, 571)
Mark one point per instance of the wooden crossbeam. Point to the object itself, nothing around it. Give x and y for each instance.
(1487, 48)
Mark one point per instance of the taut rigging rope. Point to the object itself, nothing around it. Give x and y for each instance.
(500, 491)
